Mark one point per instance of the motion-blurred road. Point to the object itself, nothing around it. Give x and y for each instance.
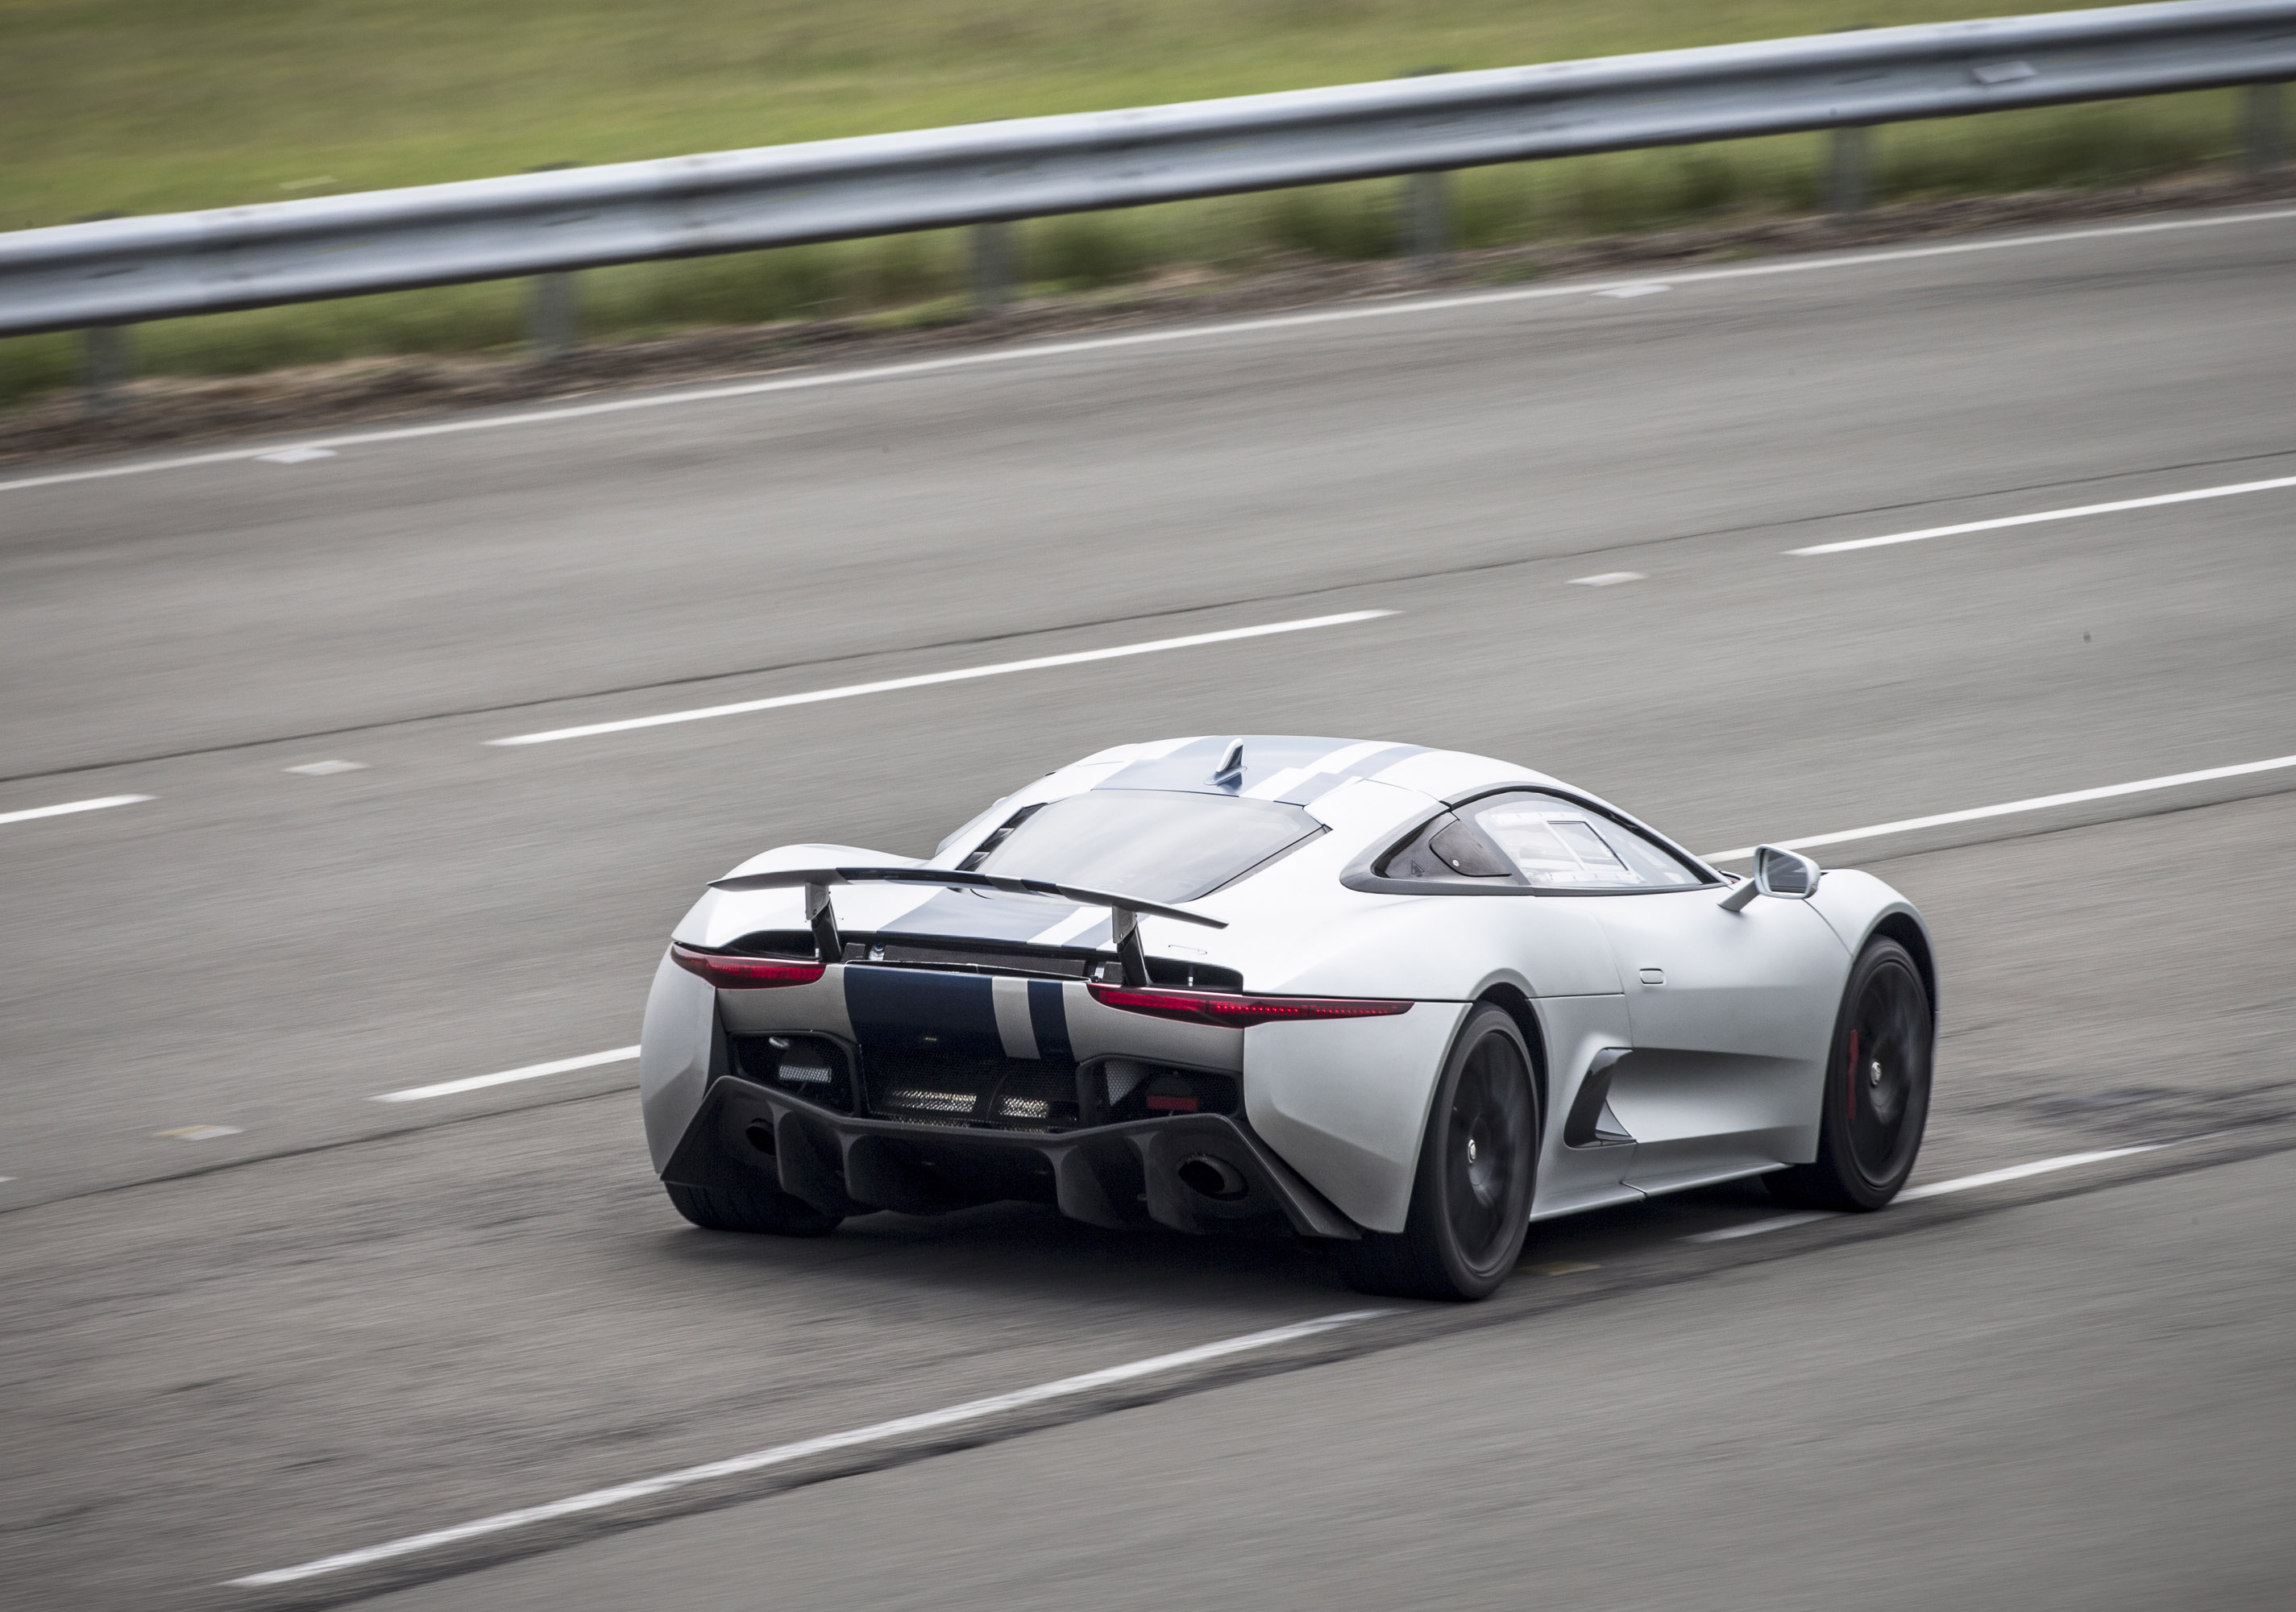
(339, 1322)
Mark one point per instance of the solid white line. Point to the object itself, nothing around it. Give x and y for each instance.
(2038, 803)
(2017, 1172)
(532, 1072)
(69, 807)
(2232, 490)
(782, 1454)
(964, 674)
(1192, 332)
(2014, 1172)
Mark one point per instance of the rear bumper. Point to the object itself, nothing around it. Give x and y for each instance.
(1199, 1172)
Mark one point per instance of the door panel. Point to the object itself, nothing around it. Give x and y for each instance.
(1731, 1015)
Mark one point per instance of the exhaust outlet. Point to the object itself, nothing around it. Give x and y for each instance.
(1212, 1178)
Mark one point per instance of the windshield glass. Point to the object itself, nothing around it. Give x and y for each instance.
(1160, 846)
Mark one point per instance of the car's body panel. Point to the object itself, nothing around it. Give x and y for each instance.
(1575, 1030)
(1708, 1030)
(1732, 1016)
(1345, 1103)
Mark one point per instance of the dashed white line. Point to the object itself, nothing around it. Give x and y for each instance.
(1648, 289)
(531, 1072)
(69, 807)
(1193, 333)
(887, 685)
(780, 1455)
(198, 1133)
(1608, 578)
(2231, 490)
(325, 769)
(2038, 803)
(1776, 1223)
(2014, 1172)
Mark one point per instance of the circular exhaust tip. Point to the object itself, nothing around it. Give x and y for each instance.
(1212, 1178)
(760, 1135)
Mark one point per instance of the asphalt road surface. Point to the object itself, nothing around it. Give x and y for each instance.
(317, 1322)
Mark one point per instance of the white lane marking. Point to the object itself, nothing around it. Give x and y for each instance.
(1756, 1227)
(783, 1454)
(1080, 657)
(2232, 490)
(532, 1072)
(2017, 1172)
(1648, 289)
(1192, 332)
(2038, 803)
(321, 770)
(2014, 1172)
(1609, 578)
(69, 807)
(297, 456)
(197, 1133)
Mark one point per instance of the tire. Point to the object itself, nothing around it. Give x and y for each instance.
(721, 1209)
(1470, 1195)
(1877, 1089)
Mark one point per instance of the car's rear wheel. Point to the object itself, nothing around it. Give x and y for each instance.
(1877, 1089)
(1470, 1198)
(731, 1209)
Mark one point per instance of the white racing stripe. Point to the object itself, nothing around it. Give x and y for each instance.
(2014, 1172)
(69, 807)
(1192, 332)
(531, 1072)
(2040, 802)
(886, 685)
(783, 1454)
(2233, 490)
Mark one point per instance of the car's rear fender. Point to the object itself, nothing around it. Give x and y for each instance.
(1344, 1102)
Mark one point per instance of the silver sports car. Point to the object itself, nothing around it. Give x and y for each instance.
(1406, 1002)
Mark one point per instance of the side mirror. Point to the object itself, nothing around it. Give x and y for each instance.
(1786, 874)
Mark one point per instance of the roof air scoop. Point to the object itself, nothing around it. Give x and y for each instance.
(1229, 773)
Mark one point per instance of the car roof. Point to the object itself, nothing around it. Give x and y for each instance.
(1293, 768)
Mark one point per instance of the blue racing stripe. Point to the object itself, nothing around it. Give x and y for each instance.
(1048, 1016)
(916, 1010)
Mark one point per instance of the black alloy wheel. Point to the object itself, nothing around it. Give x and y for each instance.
(1877, 1089)
(1470, 1198)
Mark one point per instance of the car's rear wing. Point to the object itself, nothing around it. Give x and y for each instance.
(1124, 912)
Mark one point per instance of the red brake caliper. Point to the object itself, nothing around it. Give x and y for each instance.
(1849, 1086)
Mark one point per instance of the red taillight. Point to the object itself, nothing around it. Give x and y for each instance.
(1220, 1007)
(744, 973)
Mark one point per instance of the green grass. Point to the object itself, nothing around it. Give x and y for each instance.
(138, 106)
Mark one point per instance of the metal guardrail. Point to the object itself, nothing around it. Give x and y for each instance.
(126, 270)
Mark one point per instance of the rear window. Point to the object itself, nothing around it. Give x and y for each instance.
(1160, 846)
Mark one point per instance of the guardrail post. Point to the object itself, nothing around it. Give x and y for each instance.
(1427, 204)
(554, 317)
(105, 365)
(1427, 201)
(1847, 169)
(992, 268)
(2267, 143)
(553, 302)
